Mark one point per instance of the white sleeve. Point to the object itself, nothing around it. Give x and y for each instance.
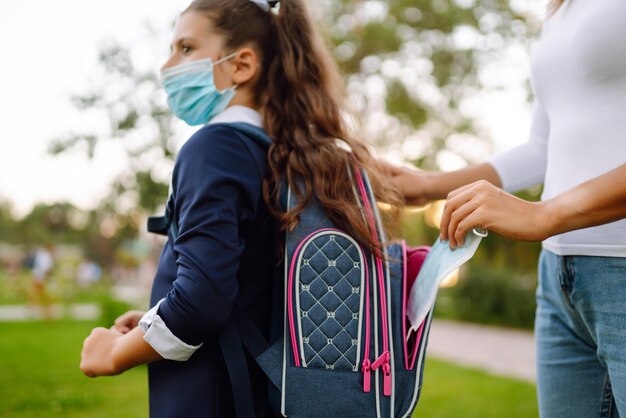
(164, 342)
(525, 165)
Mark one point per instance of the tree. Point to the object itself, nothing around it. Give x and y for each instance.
(412, 65)
(130, 100)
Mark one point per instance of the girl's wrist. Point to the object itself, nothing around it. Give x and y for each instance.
(116, 358)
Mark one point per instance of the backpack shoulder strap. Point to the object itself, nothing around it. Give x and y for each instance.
(161, 224)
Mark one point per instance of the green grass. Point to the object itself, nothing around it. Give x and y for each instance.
(39, 377)
(453, 392)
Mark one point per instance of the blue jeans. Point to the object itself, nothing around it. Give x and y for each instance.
(581, 336)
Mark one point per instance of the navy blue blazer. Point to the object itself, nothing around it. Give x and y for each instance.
(225, 243)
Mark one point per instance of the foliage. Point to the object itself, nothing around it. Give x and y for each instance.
(412, 65)
(491, 297)
(16, 289)
(39, 376)
(111, 309)
(138, 118)
(99, 232)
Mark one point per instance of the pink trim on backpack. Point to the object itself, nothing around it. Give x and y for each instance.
(383, 298)
(408, 280)
(367, 364)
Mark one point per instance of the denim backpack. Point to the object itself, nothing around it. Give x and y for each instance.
(341, 344)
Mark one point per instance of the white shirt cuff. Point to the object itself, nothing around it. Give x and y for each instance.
(164, 342)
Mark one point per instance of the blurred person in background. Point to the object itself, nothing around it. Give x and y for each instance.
(42, 266)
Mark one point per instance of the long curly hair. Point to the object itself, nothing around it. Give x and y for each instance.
(301, 93)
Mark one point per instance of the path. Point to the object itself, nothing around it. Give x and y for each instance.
(497, 350)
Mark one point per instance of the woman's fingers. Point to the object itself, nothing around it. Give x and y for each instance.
(459, 220)
(455, 201)
(465, 209)
(487, 206)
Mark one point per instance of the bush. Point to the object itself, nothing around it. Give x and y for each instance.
(491, 297)
(110, 309)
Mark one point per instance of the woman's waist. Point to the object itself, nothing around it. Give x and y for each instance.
(608, 240)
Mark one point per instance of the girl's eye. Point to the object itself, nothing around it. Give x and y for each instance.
(186, 49)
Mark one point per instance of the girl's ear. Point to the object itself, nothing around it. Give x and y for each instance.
(246, 66)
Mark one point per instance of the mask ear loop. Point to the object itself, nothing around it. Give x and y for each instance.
(224, 59)
(481, 232)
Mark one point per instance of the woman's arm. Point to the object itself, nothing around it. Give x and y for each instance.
(598, 201)
(513, 170)
(421, 187)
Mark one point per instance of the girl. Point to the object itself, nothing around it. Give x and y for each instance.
(578, 150)
(234, 61)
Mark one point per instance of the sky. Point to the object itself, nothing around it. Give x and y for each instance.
(49, 50)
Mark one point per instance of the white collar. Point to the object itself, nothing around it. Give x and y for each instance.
(238, 113)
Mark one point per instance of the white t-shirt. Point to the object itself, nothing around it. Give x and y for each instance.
(579, 116)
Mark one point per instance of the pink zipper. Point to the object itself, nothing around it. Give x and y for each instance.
(385, 357)
(405, 295)
(367, 364)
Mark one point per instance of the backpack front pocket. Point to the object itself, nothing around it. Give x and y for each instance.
(327, 302)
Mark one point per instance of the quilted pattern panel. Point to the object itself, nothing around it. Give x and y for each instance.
(330, 302)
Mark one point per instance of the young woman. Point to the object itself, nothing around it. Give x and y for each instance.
(578, 150)
(234, 61)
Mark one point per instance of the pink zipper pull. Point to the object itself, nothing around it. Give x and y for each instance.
(383, 359)
(366, 375)
(386, 379)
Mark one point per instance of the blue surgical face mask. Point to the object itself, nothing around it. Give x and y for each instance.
(440, 263)
(191, 92)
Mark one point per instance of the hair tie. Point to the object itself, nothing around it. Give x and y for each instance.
(266, 5)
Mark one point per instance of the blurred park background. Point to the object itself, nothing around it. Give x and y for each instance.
(89, 146)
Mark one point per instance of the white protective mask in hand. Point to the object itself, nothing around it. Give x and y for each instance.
(440, 263)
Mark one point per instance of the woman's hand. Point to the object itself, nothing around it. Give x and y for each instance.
(481, 204)
(127, 321)
(97, 354)
(420, 187)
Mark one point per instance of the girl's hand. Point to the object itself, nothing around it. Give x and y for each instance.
(97, 353)
(127, 321)
(484, 205)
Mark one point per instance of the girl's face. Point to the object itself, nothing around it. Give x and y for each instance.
(194, 39)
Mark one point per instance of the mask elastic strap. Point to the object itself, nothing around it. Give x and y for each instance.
(226, 58)
(221, 60)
